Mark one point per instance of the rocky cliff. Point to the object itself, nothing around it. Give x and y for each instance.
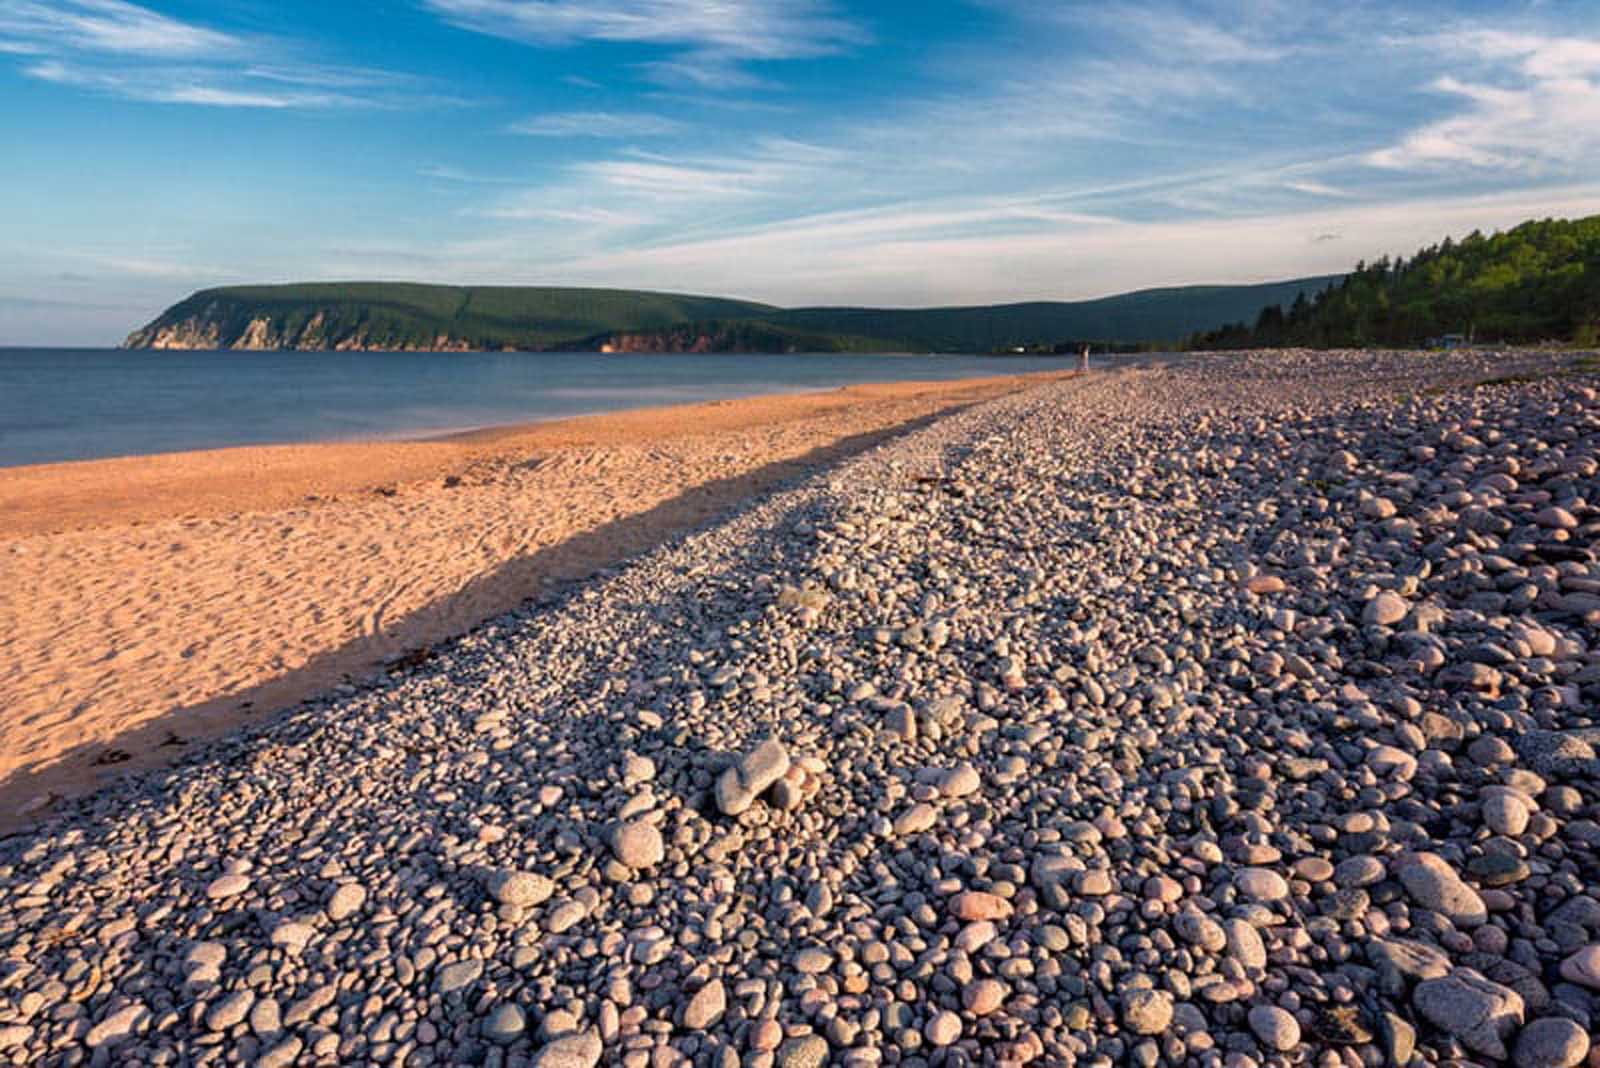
(407, 317)
(218, 325)
(212, 329)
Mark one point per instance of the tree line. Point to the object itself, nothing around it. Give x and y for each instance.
(1537, 282)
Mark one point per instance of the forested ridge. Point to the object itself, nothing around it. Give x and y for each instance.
(384, 315)
(1537, 282)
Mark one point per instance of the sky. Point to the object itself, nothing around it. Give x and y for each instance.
(791, 151)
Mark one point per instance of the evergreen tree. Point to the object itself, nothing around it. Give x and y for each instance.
(1539, 281)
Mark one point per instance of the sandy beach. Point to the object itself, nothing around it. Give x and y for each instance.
(151, 602)
(1234, 712)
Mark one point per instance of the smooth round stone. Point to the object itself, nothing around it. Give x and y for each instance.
(1198, 929)
(916, 819)
(960, 781)
(226, 886)
(1358, 871)
(1386, 609)
(1244, 943)
(943, 1029)
(570, 1051)
(813, 961)
(638, 845)
(1276, 1029)
(765, 1035)
(115, 1028)
(806, 1051)
(1487, 750)
(266, 1017)
(1096, 882)
(523, 889)
(1434, 884)
(230, 1010)
(291, 935)
(558, 1022)
(1261, 884)
(563, 916)
(1583, 967)
(346, 901)
(1348, 904)
(976, 905)
(505, 1024)
(458, 976)
(1146, 1012)
(983, 996)
(1054, 938)
(1392, 762)
(1397, 1038)
(706, 1006)
(1505, 815)
(1163, 889)
(1553, 1042)
(281, 1055)
(1314, 869)
(1498, 869)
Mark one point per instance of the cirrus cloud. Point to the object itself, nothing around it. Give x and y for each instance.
(597, 124)
(709, 40)
(125, 50)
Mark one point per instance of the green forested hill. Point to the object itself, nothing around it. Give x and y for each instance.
(1149, 315)
(402, 315)
(382, 315)
(1537, 282)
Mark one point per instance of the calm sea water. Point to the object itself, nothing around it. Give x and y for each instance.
(80, 404)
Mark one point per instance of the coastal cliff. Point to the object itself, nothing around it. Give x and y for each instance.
(262, 333)
(384, 316)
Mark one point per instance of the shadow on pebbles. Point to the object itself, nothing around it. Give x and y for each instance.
(1238, 712)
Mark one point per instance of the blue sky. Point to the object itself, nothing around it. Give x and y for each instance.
(794, 151)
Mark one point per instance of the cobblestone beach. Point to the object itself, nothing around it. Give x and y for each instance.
(1230, 713)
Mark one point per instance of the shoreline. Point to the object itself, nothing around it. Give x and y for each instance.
(1155, 659)
(159, 601)
(401, 418)
(49, 498)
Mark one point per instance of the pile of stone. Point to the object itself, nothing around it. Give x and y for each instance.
(1229, 713)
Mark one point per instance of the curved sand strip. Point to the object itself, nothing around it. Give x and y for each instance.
(151, 601)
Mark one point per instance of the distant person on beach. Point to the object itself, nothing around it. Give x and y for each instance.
(1083, 359)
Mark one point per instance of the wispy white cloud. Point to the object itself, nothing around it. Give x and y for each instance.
(1531, 106)
(652, 184)
(711, 38)
(750, 29)
(447, 173)
(125, 50)
(1172, 30)
(605, 124)
(1312, 188)
(179, 86)
(916, 257)
(978, 250)
(109, 26)
(170, 264)
(592, 219)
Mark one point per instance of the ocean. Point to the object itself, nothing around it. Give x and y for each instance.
(83, 404)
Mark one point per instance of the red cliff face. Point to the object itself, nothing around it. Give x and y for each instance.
(663, 341)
